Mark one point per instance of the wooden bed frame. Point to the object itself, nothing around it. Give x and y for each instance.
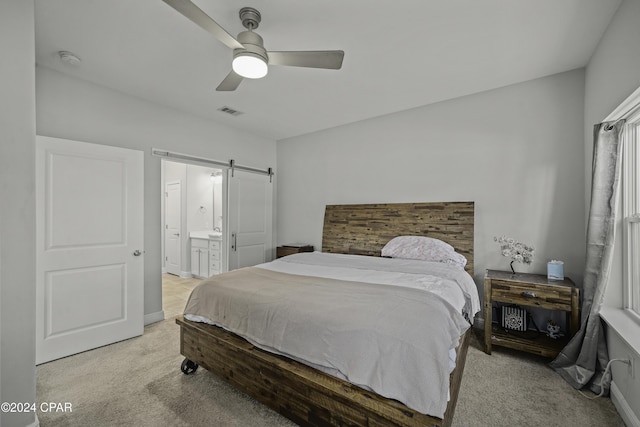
(305, 395)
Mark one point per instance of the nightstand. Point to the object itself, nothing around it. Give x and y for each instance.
(529, 290)
(292, 248)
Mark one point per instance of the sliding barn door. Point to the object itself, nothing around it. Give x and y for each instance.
(250, 215)
(89, 253)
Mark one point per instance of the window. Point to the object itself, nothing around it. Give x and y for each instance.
(631, 212)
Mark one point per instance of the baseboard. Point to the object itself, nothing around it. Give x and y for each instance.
(153, 317)
(623, 408)
(186, 275)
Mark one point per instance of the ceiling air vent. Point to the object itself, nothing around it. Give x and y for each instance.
(230, 110)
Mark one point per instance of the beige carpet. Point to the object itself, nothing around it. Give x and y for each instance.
(138, 383)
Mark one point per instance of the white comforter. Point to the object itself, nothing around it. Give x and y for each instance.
(446, 280)
(394, 340)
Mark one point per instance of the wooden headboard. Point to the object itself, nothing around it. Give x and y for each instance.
(365, 229)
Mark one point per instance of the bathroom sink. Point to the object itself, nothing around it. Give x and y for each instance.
(215, 234)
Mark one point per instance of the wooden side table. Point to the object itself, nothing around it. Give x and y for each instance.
(293, 248)
(529, 290)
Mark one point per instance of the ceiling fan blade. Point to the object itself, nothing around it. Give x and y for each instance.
(231, 82)
(197, 15)
(331, 59)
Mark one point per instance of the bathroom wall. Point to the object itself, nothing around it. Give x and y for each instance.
(218, 208)
(199, 203)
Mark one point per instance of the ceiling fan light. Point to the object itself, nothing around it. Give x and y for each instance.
(249, 66)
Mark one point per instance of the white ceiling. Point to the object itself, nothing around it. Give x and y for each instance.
(399, 54)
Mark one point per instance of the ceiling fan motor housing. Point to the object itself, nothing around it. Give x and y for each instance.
(253, 45)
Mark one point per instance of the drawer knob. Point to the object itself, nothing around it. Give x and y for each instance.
(528, 294)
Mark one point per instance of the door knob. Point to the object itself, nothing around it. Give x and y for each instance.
(137, 252)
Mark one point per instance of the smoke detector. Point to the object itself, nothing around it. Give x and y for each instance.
(69, 58)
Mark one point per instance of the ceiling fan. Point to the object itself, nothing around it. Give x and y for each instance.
(250, 58)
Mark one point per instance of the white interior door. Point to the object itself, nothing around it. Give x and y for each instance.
(250, 213)
(89, 237)
(172, 217)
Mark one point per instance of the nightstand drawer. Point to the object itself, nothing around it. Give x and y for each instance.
(544, 296)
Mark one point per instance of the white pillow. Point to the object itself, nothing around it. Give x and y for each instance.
(423, 248)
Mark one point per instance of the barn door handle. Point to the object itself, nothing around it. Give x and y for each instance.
(233, 242)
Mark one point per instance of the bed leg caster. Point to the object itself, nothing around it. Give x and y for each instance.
(188, 367)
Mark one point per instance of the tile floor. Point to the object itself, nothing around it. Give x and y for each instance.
(175, 291)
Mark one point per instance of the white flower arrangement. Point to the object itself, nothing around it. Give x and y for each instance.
(517, 251)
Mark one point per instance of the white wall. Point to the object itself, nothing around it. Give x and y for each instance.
(17, 206)
(517, 152)
(75, 109)
(613, 73)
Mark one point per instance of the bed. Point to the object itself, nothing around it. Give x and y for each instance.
(352, 366)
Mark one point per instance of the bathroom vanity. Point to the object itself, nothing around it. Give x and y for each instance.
(206, 254)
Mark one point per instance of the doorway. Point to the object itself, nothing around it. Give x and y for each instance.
(193, 204)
